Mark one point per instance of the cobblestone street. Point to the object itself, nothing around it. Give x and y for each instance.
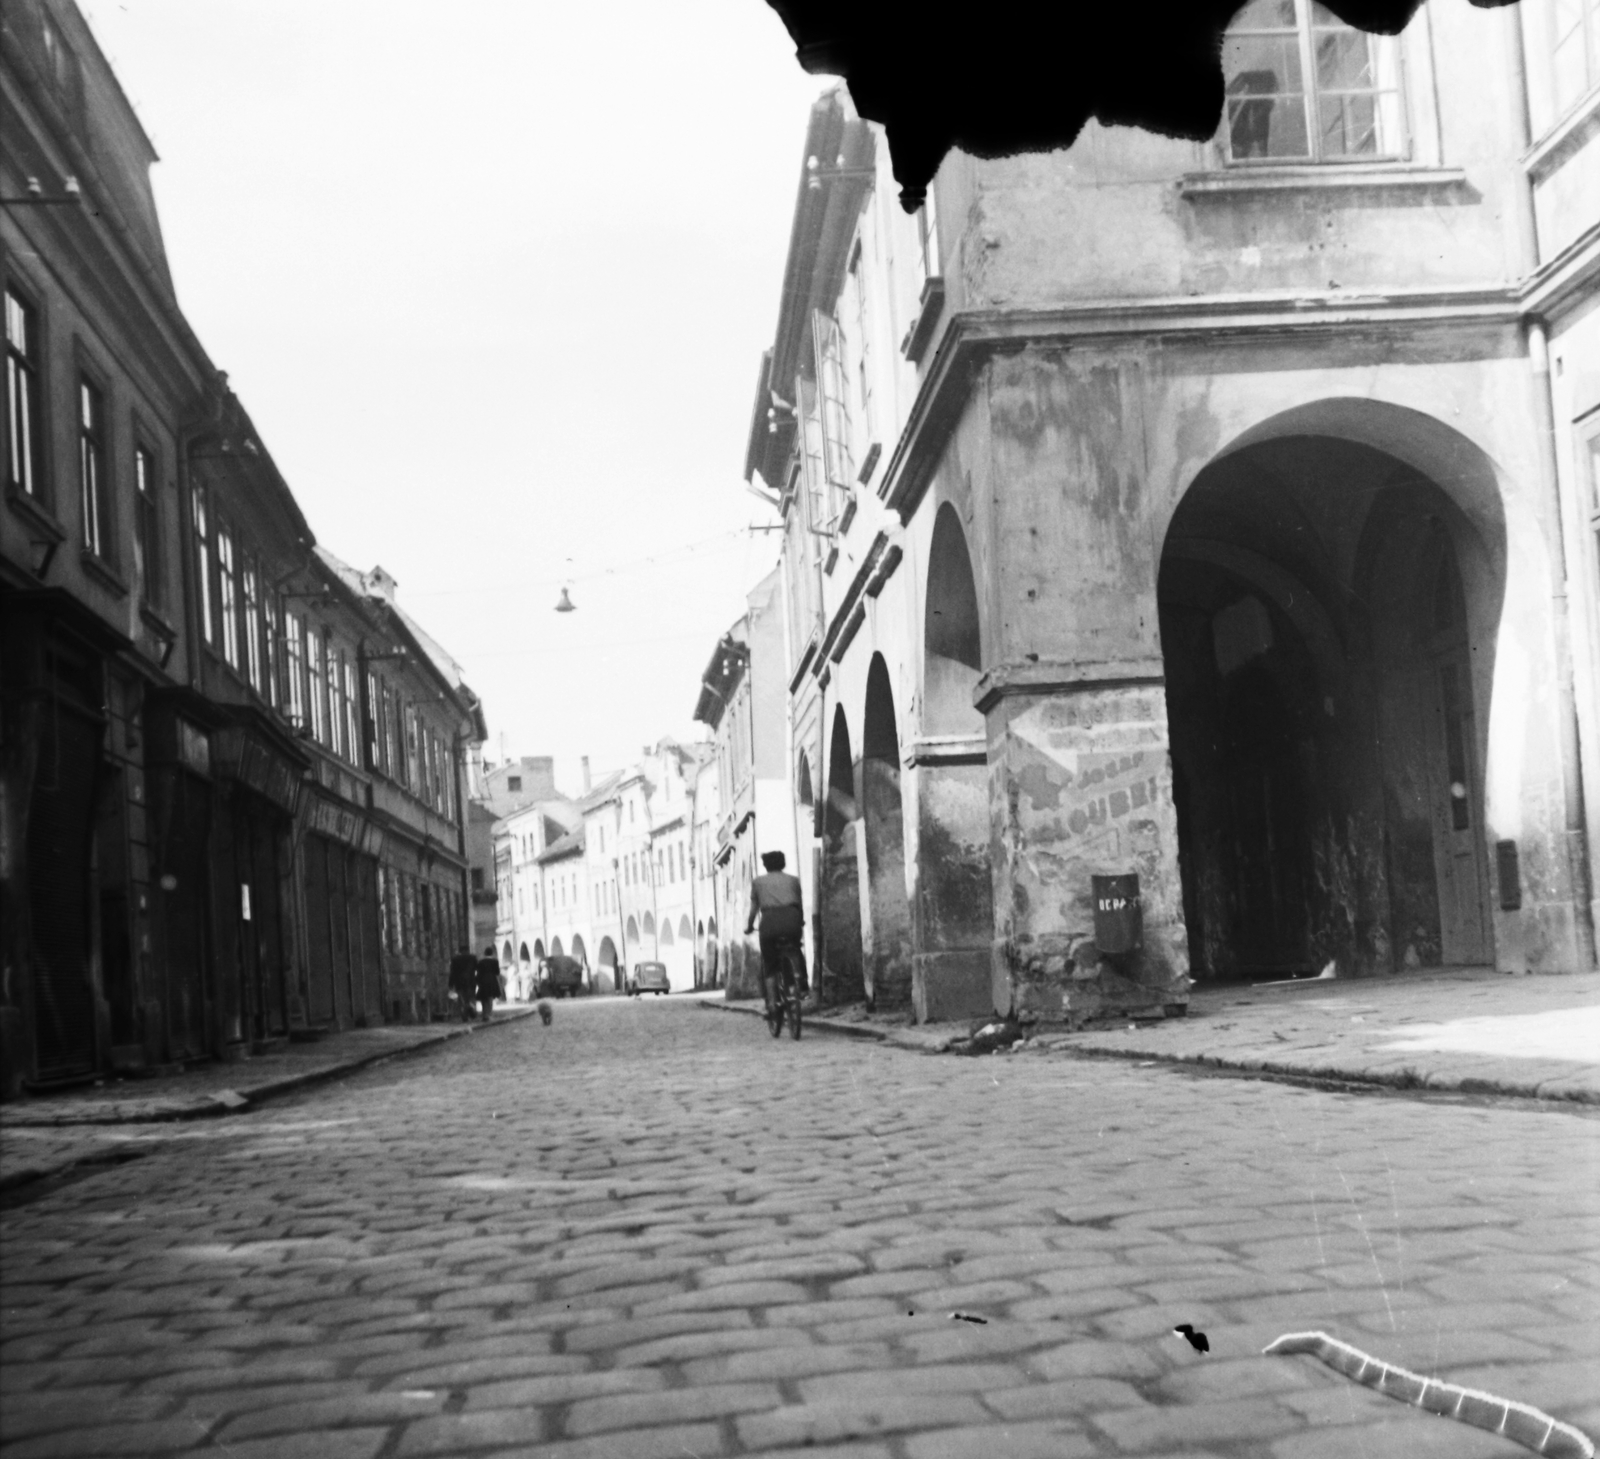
(651, 1231)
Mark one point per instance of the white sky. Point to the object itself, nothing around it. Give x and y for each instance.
(493, 279)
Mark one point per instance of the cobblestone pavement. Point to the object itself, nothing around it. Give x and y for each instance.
(652, 1231)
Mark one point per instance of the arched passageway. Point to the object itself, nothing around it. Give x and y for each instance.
(888, 934)
(631, 932)
(538, 949)
(951, 640)
(954, 903)
(839, 972)
(685, 934)
(578, 950)
(525, 957)
(506, 955)
(667, 939)
(607, 955)
(1327, 623)
(555, 947)
(649, 926)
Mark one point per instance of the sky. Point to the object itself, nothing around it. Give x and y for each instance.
(493, 280)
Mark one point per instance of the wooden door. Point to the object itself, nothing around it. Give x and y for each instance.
(1456, 786)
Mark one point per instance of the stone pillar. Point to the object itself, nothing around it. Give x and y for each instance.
(839, 902)
(953, 906)
(887, 934)
(1080, 783)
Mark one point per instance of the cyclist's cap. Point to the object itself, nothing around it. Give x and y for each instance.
(773, 860)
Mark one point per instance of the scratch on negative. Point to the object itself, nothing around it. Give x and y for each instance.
(1526, 1425)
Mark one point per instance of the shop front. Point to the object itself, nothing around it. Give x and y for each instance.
(259, 772)
(340, 848)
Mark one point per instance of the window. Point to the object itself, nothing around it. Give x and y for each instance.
(92, 484)
(202, 561)
(833, 405)
(252, 623)
(352, 728)
(227, 597)
(296, 671)
(317, 684)
(147, 530)
(928, 238)
(513, 783)
(477, 878)
(1576, 28)
(374, 717)
(23, 469)
(1302, 86)
(335, 702)
(271, 634)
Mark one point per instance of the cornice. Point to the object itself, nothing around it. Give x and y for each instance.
(973, 336)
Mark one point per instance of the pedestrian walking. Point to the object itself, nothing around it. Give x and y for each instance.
(464, 982)
(488, 983)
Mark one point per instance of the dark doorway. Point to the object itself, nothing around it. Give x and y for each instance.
(1322, 712)
(840, 954)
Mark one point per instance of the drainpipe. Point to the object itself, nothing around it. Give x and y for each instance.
(1573, 818)
(1574, 823)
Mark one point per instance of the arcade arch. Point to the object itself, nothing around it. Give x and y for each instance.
(1328, 614)
(883, 819)
(952, 650)
(840, 978)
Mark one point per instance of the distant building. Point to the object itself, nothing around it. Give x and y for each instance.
(742, 703)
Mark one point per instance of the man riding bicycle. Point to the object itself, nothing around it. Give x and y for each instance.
(775, 900)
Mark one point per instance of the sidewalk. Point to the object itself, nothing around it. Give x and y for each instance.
(1467, 1031)
(120, 1118)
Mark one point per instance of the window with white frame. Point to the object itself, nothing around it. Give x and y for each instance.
(271, 634)
(93, 487)
(833, 408)
(352, 709)
(1575, 34)
(228, 596)
(1302, 86)
(252, 618)
(295, 670)
(317, 686)
(200, 514)
(24, 468)
(335, 703)
(927, 220)
(147, 542)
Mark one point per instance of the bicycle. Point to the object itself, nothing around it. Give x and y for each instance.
(786, 995)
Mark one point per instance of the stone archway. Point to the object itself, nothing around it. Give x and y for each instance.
(887, 939)
(953, 907)
(840, 898)
(1328, 616)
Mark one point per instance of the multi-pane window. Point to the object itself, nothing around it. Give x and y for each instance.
(228, 596)
(928, 238)
(833, 406)
(1302, 86)
(270, 635)
(374, 742)
(251, 582)
(317, 682)
(352, 710)
(335, 702)
(92, 484)
(23, 437)
(296, 670)
(202, 561)
(1576, 28)
(147, 529)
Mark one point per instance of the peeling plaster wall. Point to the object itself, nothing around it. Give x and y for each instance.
(1079, 784)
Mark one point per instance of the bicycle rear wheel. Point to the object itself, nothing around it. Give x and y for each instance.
(775, 1009)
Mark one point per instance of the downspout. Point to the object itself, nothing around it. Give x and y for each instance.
(1574, 825)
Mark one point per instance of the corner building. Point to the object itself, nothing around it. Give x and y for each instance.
(1220, 514)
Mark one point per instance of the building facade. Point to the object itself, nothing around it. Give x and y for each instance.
(229, 765)
(741, 702)
(1245, 546)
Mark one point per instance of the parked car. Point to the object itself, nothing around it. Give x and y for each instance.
(649, 978)
(563, 978)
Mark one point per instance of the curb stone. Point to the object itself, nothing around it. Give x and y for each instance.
(213, 1106)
